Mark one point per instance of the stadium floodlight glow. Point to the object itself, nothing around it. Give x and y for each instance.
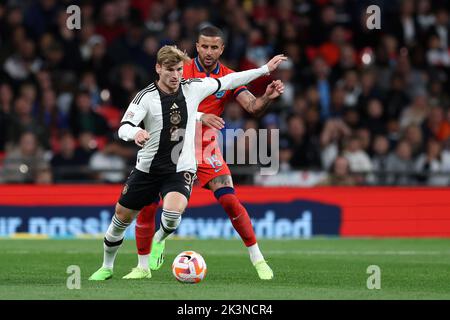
(105, 94)
(366, 58)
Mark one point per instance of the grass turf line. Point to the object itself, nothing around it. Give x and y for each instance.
(304, 269)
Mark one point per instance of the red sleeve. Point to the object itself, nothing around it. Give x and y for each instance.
(238, 90)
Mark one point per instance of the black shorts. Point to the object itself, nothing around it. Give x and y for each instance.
(141, 188)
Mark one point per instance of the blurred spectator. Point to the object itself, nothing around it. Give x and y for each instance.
(437, 54)
(358, 159)
(434, 123)
(380, 152)
(437, 95)
(413, 135)
(6, 101)
(96, 59)
(405, 27)
(110, 27)
(352, 88)
(375, 120)
(396, 97)
(24, 63)
(22, 120)
(425, 17)
(22, 162)
(68, 163)
(84, 118)
(434, 161)
(340, 174)
(305, 151)
(126, 81)
(40, 16)
(400, 164)
(285, 155)
(416, 113)
(334, 131)
(441, 28)
(369, 88)
(109, 163)
(43, 176)
(49, 114)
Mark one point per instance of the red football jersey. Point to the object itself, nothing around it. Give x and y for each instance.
(215, 103)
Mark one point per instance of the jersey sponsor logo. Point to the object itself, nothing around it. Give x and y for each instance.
(220, 94)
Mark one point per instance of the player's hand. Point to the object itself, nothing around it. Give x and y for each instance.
(276, 61)
(275, 89)
(212, 121)
(141, 137)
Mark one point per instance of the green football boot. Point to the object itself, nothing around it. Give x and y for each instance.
(102, 274)
(156, 259)
(138, 273)
(264, 271)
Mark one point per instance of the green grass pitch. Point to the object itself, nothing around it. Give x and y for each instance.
(304, 269)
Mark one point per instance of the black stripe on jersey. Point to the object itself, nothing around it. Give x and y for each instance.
(219, 85)
(128, 122)
(184, 81)
(139, 96)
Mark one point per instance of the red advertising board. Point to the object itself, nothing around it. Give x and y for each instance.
(377, 212)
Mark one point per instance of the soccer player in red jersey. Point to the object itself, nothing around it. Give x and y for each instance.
(212, 172)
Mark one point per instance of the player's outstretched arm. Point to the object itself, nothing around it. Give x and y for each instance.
(257, 106)
(236, 79)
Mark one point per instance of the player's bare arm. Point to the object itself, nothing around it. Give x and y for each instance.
(275, 62)
(257, 106)
(212, 121)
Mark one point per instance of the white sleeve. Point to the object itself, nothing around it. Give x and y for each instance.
(237, 79)
(127, 132)
(135, 113)
(198, 116)
(205, 87)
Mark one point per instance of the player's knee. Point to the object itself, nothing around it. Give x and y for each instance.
(220, 182)
(125, 215)
(175, 202)
(174, 206)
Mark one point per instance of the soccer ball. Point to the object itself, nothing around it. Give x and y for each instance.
(189, 267)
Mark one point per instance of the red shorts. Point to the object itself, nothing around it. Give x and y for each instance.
(210, 163)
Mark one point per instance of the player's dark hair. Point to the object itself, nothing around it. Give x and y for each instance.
(211, 31)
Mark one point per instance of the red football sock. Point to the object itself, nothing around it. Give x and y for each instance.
(145, 228)
(239, 218)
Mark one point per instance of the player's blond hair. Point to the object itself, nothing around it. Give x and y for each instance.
(170, 55)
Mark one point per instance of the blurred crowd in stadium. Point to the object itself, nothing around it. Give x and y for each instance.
(356, 100)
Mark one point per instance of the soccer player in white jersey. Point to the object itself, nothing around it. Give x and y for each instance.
(166, 163)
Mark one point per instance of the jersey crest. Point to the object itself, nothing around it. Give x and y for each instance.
(220, 94)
